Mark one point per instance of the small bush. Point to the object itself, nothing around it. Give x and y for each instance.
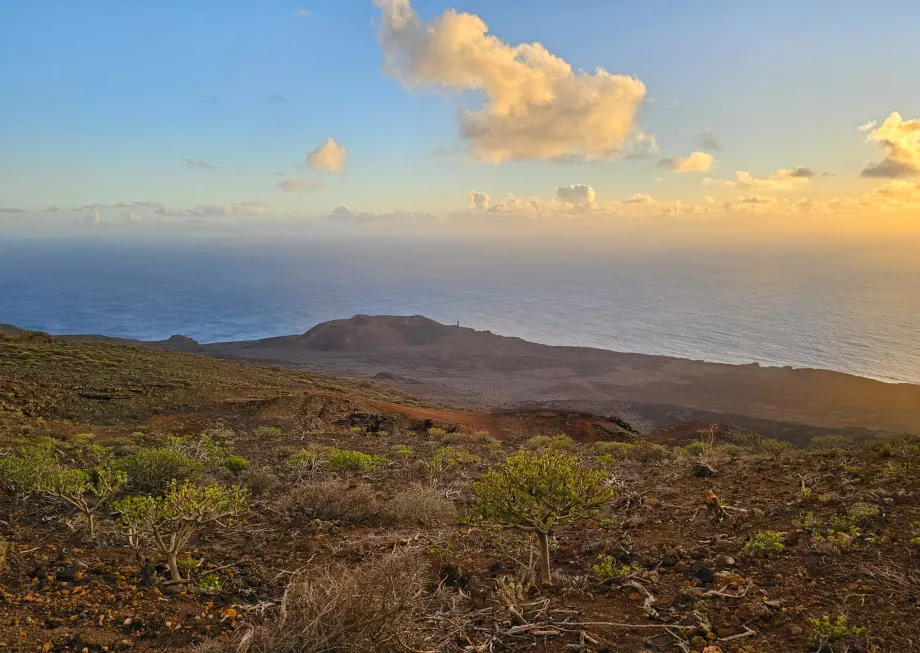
(204, 449)
(607, 568)
(355, 461)
(915, 533)
(436, 432)
(862, 513)
(648, 452)
(764, 544)
(773, 448)
(828, 630)
(235, 464)
(616, 449)
(402, 451)
(260, 481)
(606, 459)
(445, 457)
(19, 474)
(537, 492)
(422, 504)
(266, 432)
(377, 606)
(304, 460)
(560, 442)
(833, 445)
(330, 501)
(152, 470)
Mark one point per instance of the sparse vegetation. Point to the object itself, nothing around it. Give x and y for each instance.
(151, 471)
(266, 432)
(422, 504)
(764, 544)
(445, 457)
(827, 630)
(85, 490)
(554, 442)
(330, 501)
(535, 493)
(354, 461)
(169, 521)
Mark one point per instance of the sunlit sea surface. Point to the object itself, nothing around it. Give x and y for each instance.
(832, 310)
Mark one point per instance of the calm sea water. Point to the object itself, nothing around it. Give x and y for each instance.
(834, 310)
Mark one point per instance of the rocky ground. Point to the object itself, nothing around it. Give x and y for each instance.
(716, 539)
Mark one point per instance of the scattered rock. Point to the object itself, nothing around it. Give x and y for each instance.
(705, 576)
(753, 611)
(703, 470)
(724, 561)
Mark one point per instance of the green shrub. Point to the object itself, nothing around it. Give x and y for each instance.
(402, 451)
(20, 473)
(828, 630)
(915, 533)
(204, 449)
(560, 442)
(85, 490)
(436, 431)
(235, 464)
(303, 460)
(445, 457)
(608, 569)
(764, 544)
(355, 461)
(833, 445)
(169, 521)
(862, 513)
(266, 432)
(209, 582)
(616, 449)
(606, 459)
(648, 452)
(152, 470)
(536, 492)
(773, 448)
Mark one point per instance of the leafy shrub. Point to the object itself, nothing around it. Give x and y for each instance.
(772, 447)
(402, 451)
(436, 431)
(606, 459)
(169, 521)
(266, 432)
(764, 544)
(862, 513)
(422, 504)
(608, 569)
(19, 474)
(445, 457)
(304, 460)
(648, 452)
(204, 449)
(354, 460)
(209, 582)
(377, 606)
(330, 501)
(260, 481)
(915, 534)
(828, 630)
(535, 492)
(85, 490)
(833, 445)
(152, 470)
(235, 464)
(616, 449)
(560, 442)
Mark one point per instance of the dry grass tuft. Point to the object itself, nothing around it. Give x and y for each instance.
(422, 504)
(330, 501)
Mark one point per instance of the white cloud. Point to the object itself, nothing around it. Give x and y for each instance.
(478, 201)
(536, 106)
(783, 179)
(300, 185)
(642, 146)
(328, 157)
(242, 208)
(578, 195)
(11, 209)
(93, 218)
(901, 141)
(303, 13)
(132, 217)
(696, 162)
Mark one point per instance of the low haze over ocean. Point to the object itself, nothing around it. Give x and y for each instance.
(843, 310)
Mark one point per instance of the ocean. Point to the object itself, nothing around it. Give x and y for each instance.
(855, 311)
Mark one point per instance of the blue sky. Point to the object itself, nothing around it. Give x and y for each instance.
(102, 102)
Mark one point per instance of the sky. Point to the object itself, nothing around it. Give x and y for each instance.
(655, 119)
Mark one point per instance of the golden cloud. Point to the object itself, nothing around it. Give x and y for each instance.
(536, 106)
(901, 141)
(328, 157)
(696, 162)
